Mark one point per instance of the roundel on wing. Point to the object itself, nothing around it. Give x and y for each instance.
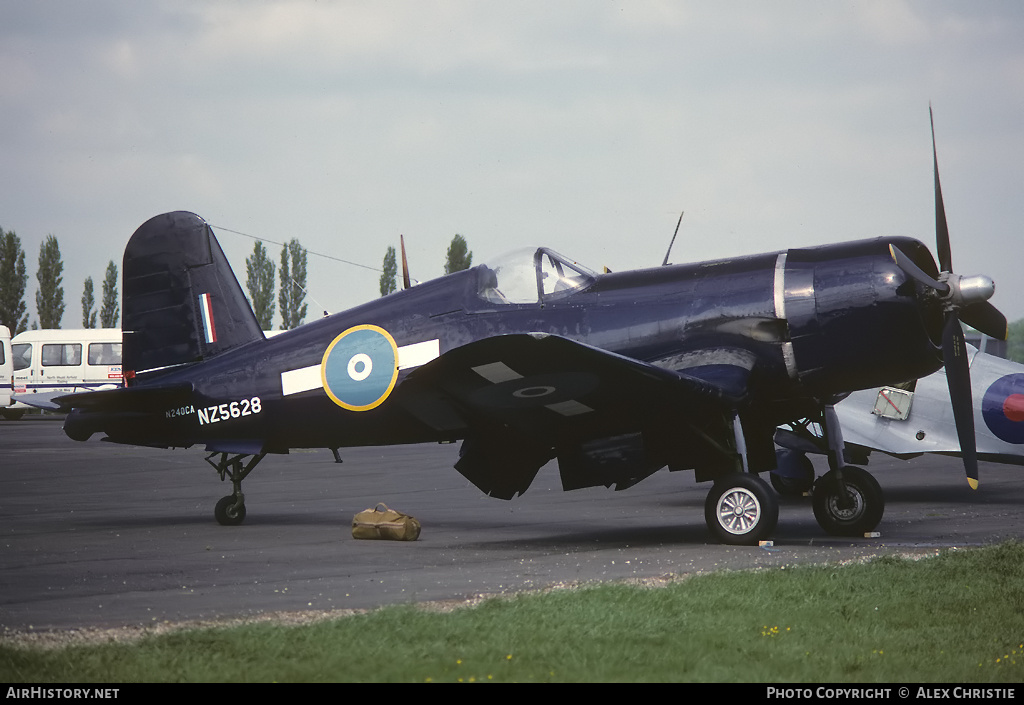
(1003, 408)
(360, 368)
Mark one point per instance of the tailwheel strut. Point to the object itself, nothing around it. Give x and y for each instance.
(848, 501)
(230, 510)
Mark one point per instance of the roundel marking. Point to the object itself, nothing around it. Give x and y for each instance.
(1002, 408)
(536, 390)
(532, 392)
(360, 367)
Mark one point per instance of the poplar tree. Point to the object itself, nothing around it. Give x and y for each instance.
(110, 311)
(387, 279)
(88, 305)
(459, 257)
(260, 283)
(13, 279)
(293, 285)
(50, 275)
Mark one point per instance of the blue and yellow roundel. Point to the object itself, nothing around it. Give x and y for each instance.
(360, 368)
(1003, 408)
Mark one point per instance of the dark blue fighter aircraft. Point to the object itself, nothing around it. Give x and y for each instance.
(535, 357)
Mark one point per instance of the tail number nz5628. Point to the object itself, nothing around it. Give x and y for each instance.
(229, 410)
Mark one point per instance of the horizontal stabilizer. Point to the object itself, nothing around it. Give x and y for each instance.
(42, 400)
(127, 399)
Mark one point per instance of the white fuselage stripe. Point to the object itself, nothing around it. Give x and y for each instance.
(301, 380)
(305, 379)
(418, 353)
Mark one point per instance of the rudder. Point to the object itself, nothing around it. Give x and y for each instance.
(182, 302)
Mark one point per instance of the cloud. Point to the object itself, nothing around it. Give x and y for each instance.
(582, 125)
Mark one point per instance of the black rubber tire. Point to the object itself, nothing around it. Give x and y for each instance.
(225, 515)
(741, 510)
(869, 502)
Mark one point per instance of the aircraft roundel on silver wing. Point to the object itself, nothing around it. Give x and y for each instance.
(917, 418)
(535, 357)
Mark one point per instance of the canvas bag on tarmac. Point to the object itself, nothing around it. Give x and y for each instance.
(381, 522)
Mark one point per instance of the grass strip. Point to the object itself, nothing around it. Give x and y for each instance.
(954, 617)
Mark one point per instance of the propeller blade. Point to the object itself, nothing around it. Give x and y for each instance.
(915, 272)
(941, 227)
(958, 377)
(986, 318)
(405, 265)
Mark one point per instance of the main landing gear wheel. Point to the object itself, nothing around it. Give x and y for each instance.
(229, 511)
(741, 510)
(859, 513)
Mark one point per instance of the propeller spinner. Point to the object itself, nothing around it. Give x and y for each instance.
(964, 299)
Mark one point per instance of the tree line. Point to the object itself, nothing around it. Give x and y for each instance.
(50, 294)
(261, 270)
(260, 283)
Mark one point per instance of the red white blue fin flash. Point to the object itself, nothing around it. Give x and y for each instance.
(206, 313)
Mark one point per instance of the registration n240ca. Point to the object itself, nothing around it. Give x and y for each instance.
(229, 410)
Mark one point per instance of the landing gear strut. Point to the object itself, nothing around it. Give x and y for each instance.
(741, 508)
(848, 501)
(230, 510)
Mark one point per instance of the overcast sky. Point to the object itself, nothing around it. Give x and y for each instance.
(584, 126)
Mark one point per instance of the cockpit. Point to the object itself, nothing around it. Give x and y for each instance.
(529, 276)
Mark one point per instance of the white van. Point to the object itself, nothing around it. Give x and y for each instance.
(64, 361)
(6, 369)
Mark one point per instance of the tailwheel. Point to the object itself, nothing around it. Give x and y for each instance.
(741, 510)
(230, 511)
(851, 513)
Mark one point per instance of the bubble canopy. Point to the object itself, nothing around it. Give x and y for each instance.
(532, 275)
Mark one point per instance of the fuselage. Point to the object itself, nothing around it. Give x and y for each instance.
(809, 324)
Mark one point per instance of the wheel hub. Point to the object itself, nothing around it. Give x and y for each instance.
(849, 513)
(738, 510)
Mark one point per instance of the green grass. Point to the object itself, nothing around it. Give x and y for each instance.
(955, 617)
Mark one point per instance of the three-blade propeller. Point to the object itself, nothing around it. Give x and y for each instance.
(964, 299)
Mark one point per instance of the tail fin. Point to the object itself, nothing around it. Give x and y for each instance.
(182, 302)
